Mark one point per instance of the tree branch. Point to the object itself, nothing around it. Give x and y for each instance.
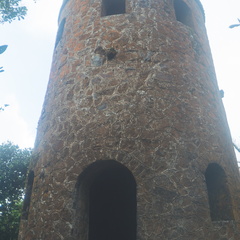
(236, 147)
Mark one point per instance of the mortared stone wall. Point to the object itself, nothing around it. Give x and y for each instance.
(133, 94)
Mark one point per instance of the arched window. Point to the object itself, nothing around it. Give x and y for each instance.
(183, 13)
(27, 198)
(218, 194)
(105, 203)
(113, 7)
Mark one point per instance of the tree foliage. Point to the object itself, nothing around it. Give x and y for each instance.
(2, 108)
(11, 10)
(13, 170)
(236, 147)
(235, 25)
(2, 50)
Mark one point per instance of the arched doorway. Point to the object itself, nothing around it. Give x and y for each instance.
(105, 203)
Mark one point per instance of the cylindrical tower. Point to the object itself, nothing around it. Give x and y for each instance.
(133, 141)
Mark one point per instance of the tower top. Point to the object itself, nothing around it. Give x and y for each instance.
(197, 1)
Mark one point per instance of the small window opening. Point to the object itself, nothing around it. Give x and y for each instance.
(113, 7)
(27, 198)
(106, 200)
(60, 31)
(218, 193)
(183, 13)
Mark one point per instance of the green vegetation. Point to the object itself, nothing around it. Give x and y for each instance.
(235, 25)
(13, 170)
(2, 50)
(2, 108)
(11, 10)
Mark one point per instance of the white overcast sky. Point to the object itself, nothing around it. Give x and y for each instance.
(27, 63)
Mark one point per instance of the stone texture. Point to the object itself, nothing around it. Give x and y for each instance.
(153, 106)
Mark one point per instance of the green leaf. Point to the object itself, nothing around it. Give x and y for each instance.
(3, 48)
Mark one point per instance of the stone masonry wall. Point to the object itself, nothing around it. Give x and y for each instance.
(138, 88)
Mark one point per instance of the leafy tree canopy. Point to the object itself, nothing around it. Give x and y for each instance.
(13, 170)
(11, 10)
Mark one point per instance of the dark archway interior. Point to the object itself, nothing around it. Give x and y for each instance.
(218, 193)
(183, 13)
(113, 7)
(112, 205)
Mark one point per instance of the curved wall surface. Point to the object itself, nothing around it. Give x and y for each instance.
(132, 109)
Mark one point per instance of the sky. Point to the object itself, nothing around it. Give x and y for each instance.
(27, 63)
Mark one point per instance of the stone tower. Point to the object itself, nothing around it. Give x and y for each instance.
(133, 141)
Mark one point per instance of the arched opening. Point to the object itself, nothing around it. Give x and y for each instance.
(27, 198)
(183, 13)
(105, 203)
(110, 7)
(218, 193)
